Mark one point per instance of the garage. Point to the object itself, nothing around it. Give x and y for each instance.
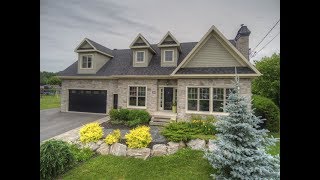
(94, 101)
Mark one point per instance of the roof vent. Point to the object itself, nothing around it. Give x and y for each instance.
(115, 49)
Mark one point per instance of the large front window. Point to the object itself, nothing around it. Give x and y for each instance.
(86, 62)
(137, 96)
(199, 99)
(193, 99)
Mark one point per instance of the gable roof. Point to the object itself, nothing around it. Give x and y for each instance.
(174, 43)
(240, 57)
(96, 46)
(120, 64)
(147, 44)
(165, 36)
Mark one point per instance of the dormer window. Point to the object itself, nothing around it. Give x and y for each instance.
(140, 56)
(86, 62)
(168, 55)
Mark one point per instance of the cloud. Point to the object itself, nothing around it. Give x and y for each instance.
(63, 24)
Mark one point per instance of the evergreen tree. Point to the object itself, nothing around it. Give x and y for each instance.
(241, 146)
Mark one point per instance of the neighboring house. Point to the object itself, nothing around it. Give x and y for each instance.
(195, 75)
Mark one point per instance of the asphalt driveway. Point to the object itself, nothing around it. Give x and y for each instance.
(53, 122)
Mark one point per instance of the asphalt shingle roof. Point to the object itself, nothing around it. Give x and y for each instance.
(121, 64)
(100, 47)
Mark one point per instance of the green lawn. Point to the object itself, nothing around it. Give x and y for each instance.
(48, 102)
(185, 164)
(274, 150)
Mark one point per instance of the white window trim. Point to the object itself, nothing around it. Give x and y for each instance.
(210, 112)
(144, 57)
(128, 97)
(81, 59)
(164, 56)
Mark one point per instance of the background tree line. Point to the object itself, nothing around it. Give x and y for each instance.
(266, 91)
(49, 78)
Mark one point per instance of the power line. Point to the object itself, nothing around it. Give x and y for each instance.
(266, 35)
(265, 45)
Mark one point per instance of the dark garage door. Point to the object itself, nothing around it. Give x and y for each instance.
(87, 100)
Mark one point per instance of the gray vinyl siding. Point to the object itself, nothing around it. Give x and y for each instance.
(168, 38)
(86, 45)
(139, 40)
(148, 56)
(175, 57)
(98, 61)
(212, 54)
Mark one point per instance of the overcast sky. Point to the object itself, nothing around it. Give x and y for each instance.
(115, 24)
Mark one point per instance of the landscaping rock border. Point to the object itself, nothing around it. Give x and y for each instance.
(119, 149)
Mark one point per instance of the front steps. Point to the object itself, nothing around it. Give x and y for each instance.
(162, 118)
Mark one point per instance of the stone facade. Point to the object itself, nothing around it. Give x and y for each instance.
(245, 89)
(242, 44)
(152, 91)
(121, 86)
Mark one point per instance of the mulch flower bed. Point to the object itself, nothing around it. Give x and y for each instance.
(108, 125)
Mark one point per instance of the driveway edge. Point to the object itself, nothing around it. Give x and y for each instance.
(73, 134)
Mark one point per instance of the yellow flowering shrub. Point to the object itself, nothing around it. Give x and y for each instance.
(91, 132)
(139, 137)
(113, 137)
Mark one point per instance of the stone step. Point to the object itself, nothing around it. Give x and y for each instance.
(164, 116)
(161, 119)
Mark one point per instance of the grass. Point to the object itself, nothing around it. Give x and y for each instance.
(48, 102)
(274, 150)
(185, 164)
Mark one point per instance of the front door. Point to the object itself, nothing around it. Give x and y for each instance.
(168, 98)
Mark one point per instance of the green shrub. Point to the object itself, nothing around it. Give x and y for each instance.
(124, 114)
(128, 117)
(184, 131)
(138, 117)
(139, 137)
(210, 118)
(114, 115)
(55, 158)
(195, 117)
(134, 122)
(91, 132)
(205, 126)
(79, 154)
(268, 110)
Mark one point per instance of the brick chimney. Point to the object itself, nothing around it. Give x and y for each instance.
(242, 41)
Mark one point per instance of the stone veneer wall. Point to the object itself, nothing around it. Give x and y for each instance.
(109, 85)
(152, 91)
(120, 87)
(245, 89)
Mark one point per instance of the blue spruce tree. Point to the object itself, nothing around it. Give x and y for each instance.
(241, 145)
